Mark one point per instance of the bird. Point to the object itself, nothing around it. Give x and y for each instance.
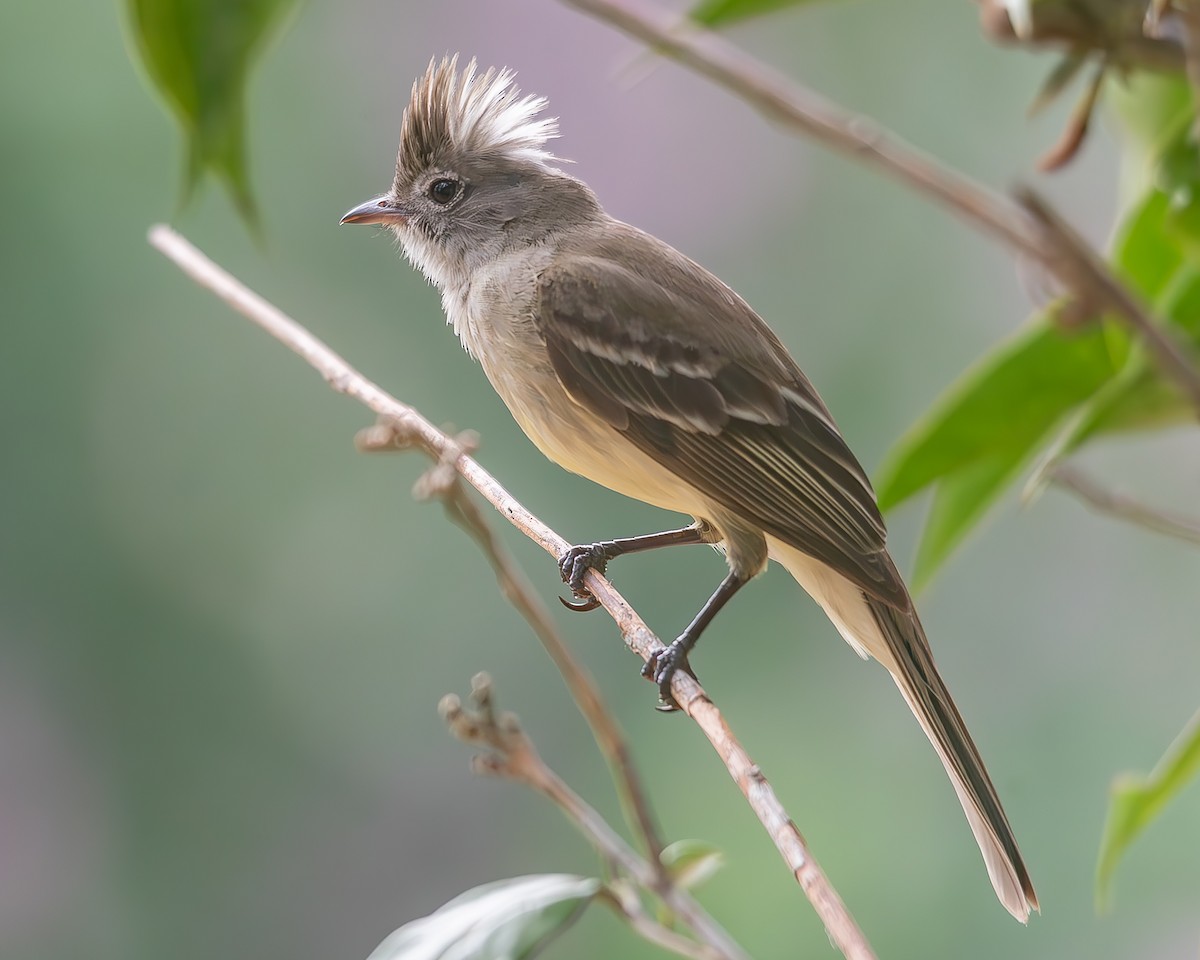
(626, 362)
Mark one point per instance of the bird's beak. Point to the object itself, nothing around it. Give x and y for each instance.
(381, 210)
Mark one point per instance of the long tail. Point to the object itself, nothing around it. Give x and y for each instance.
(897, 640)
(917, 677)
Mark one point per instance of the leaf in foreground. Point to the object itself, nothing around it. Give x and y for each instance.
(1137, 800)
(198, 55)
(506, 920)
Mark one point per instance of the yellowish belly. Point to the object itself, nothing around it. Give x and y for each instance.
(581, 442)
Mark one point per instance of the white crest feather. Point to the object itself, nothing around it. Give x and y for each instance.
(468, 112)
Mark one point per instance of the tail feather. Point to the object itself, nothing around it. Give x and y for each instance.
(916, 675)
(897, 640)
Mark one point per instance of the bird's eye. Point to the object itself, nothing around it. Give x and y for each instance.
(443, 191)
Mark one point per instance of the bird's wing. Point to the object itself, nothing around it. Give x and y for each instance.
(729, 412)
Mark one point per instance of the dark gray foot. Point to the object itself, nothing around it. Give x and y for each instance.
(662, 667)
(574, 564)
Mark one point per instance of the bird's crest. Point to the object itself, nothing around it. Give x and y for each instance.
(452, 113)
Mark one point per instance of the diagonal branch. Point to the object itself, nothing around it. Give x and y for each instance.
(1029, 226)
(804, 111)
(1078, 266)
(343, 378)
(1124, 507)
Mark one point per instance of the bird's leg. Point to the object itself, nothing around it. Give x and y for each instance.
(576, 561)
(661, 667)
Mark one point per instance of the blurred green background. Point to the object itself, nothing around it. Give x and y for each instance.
(223, 632)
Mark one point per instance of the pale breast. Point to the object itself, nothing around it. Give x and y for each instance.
(494, 319)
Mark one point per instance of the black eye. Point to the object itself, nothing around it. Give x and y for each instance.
(443, 191)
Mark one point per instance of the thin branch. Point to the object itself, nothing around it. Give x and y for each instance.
(444, 482)
(1078, 266)
(691, 697)
(804, 111)
(1124, 507)
(511, 754)
(629, 906)
(1046, 239)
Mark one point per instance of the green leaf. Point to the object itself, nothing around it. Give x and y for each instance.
(1151, 109)
(506, 920)
(1005, 404)
(714, 12)
(691, 862)
(1136, 801)
(1145, 255)
(198, 55)
(1151, 259)
(959, 502)
(1139, 397)
(979, 435)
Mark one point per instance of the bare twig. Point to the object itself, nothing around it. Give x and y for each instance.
(444, 482)
(805, 111)
(1125, 507)
(511, 754)
(691, 697)
(1078, 266)
(629, 906)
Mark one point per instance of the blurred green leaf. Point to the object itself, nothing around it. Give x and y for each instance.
(1005, 404)
(691, 862)
(198, 55)
(715, 12)
(1136, 801)
(959, 503)
(1139, 397)
(977, 437)
(1144, 254)
(1151, 109)
(1166, 274)
(506, 920)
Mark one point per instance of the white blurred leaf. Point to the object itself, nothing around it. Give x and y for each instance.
(506, 920)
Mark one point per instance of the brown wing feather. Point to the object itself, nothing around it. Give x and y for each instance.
(731, 413)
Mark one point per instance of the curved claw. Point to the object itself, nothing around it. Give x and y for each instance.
(581, 605)
(662, 667)
(573, 566)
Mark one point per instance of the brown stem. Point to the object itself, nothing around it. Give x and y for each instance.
(1078, 266)
(1125, 507)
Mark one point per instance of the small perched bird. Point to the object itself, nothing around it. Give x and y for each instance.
(624, 361)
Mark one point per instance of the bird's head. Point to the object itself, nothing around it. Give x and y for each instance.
(473, 176)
